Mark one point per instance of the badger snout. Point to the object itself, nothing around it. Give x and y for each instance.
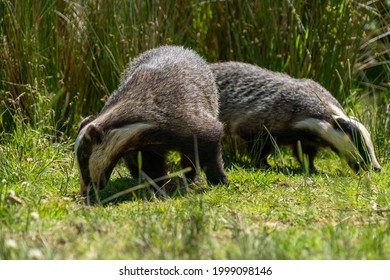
(377, 169)
(86, 187)
(357, 166)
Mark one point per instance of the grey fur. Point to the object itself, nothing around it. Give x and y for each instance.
(167, 98)
(256, 103)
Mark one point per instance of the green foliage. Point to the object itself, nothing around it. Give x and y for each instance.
(76, 50)
(261, 215)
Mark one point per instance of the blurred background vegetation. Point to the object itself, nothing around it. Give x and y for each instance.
(61, 59)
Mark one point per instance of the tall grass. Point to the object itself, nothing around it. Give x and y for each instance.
(70, 54)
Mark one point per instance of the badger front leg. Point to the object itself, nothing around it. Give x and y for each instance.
(152, 163)
(210, 158)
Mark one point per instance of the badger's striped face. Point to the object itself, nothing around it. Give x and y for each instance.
(346, 136)
(361, 154)
(361, 139)
(89, 140)
(97, 152)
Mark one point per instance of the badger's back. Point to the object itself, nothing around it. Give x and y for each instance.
(258, 102)
(156, 80)
(252, 98)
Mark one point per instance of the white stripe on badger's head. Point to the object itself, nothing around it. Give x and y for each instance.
(337, 111)
(90, 135)
(340, 137)
(325, 131)
(97, 153)
(362, 140)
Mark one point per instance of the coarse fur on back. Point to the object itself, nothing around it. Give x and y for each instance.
(167, 99)
(263, 107)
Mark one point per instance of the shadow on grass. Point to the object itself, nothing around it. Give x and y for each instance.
(120, 190)
(289, 168)
(248, 164)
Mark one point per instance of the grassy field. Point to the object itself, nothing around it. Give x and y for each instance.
(278, 214)
(60, 60)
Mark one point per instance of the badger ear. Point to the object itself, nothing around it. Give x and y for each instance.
(94, 133)
(86, 121)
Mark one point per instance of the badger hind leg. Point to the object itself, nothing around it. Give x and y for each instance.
(209, 157)
(154, 164)
(205, 147)
(131, 161)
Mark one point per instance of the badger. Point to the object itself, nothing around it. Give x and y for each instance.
(167, 101)
(264, 108)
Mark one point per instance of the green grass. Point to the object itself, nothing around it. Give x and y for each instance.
(262, 215)
(61, 59)
(73, 52)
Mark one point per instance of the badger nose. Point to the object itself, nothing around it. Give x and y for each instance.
(377, 169)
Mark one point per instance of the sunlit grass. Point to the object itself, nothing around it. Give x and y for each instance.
(275, 214)
(61, 59)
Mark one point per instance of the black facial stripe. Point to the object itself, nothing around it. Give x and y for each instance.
(356, 136)
(84, 152)
(358, 140)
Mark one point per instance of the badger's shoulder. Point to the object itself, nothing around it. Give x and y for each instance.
(323, 96)
(157, 80)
